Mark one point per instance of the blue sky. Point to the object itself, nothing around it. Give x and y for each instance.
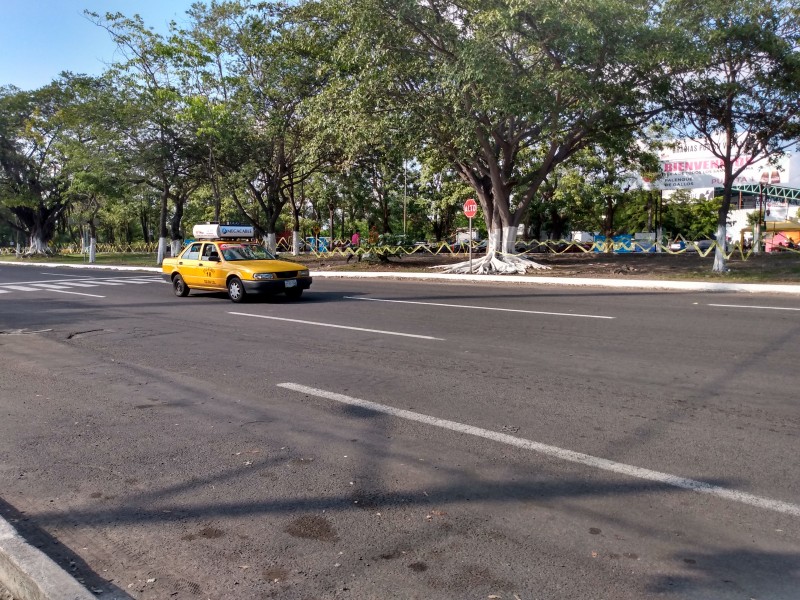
(41, 38)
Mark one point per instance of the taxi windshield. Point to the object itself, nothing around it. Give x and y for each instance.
(234, 252)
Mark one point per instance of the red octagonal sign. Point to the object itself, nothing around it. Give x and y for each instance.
(470, 208)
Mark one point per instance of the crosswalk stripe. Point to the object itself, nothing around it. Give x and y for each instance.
(136, 281)
(20, 288)
(86, 283)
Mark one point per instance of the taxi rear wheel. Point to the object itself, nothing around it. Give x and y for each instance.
(179, 286)
(236, 290)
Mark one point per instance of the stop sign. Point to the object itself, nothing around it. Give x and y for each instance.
(470, 208)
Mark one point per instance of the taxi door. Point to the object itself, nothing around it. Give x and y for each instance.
(210, 270)
(188, 264)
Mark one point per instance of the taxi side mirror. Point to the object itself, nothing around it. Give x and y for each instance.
(213, 259)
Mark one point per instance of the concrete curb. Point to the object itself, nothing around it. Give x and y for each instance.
(649, 284)
(30, 575)
(696, 286)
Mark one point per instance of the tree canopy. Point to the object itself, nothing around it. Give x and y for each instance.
(347, 115)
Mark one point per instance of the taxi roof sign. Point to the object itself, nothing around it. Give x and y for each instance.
(215, 231)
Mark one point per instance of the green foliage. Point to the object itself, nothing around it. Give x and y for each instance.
(348, 115)
(691, 218)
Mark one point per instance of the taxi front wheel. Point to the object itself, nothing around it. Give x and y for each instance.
(236, 289)
(179, 286)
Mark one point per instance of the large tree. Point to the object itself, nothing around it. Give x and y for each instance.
(92, 164)
(33, 183)
(161, 147)
(737, 89)
(505, 91)
(250, 72)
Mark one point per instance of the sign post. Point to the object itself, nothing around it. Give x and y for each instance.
(470, 210)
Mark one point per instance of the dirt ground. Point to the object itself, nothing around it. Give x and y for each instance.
(774, 267)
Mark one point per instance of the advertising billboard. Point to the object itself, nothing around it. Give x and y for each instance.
(689, 164)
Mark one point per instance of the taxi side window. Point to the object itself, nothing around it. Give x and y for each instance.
(192, 253)
(209, 250)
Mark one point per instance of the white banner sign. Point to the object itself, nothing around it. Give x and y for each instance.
(690, 165)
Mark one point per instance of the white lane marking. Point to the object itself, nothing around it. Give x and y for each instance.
(88, 279)
(746, 306)
(3, 291)
(20, 288)
(74, 293)
(136, 281)
(101, 282)
(560, 453)
(513, 310)
(48, 286)
(411, 335)
(77, 284)
(63, 275)
(57, 288)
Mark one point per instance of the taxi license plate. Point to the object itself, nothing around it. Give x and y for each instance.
(290, 283)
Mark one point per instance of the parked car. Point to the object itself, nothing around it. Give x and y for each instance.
(677, 245)
(699, 245)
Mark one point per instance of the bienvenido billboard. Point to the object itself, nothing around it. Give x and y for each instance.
(690, 165)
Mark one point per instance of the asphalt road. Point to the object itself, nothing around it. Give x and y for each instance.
(402, 439)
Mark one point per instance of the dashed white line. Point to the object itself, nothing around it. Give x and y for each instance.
(559, 453)
(759, 307)
(411, 335)
(512, 310)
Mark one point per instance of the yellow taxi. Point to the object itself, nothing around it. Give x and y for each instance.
(225, 258)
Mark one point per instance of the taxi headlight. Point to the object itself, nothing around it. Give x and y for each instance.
(263, 275)
(303, 273)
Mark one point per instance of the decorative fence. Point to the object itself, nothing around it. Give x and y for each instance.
(343, 248)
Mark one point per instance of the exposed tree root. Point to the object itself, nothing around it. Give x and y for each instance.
(494, 262)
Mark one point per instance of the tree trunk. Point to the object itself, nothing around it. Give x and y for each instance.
(332, 219)
(271, 242)
(175, 225)
(720, 261)
(509, 240)
(162, 224)
(37, 242)
(162, 249)
(92, 241)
